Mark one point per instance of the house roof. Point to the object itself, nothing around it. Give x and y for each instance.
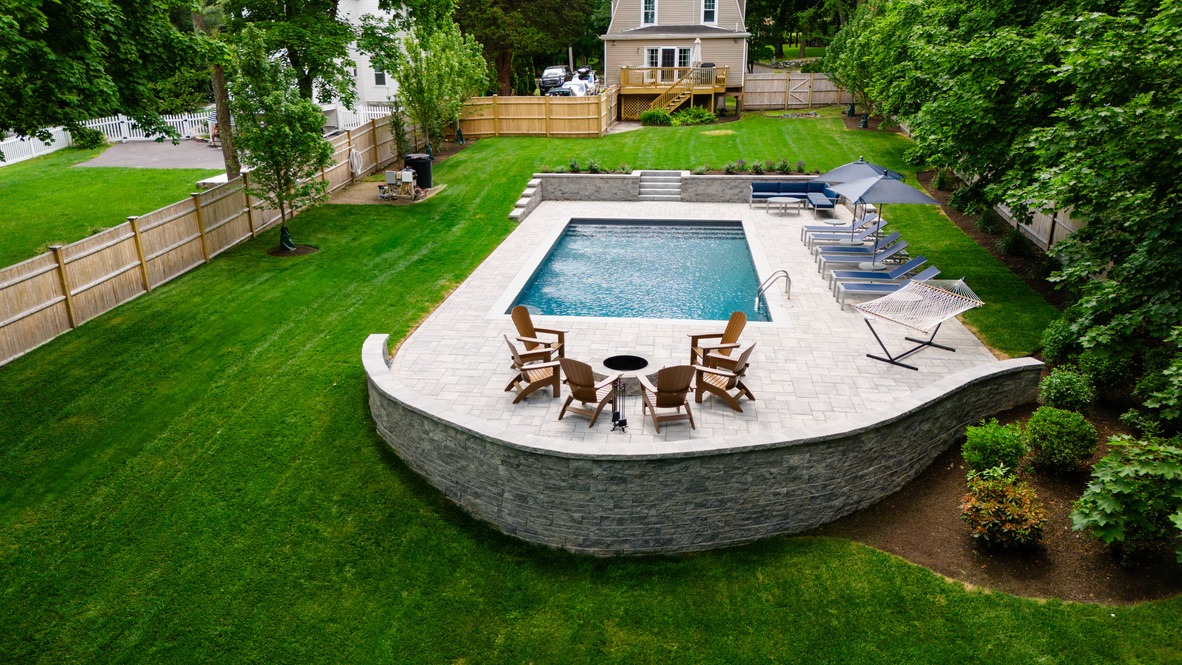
(650, 31)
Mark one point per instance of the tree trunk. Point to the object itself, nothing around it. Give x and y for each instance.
(225, 130)
(504, 72)
(221, 99)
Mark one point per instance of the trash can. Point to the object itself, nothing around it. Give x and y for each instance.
(421, 163)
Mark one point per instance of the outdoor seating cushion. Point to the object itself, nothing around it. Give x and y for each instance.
(797, 189)
(821, 200)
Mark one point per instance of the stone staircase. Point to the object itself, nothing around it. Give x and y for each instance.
(660, 185)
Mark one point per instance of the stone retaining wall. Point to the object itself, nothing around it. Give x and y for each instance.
(590, 187)
(727, 188)
(682, 501)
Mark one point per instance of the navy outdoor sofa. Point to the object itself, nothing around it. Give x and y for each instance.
(812, 191)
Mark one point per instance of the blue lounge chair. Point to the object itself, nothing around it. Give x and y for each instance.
(829, 260)
(853, 226)
(879, 245)
(879, 288)
(897, 272)
(830, 240)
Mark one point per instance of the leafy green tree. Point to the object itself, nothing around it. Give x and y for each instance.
(311, 36)
(69, 61)
(1061, 105)
(278, 131)
(514, 28)
(436, 72)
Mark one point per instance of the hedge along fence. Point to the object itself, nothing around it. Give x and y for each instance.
(563, 117)
(50, 294)
(791, 90)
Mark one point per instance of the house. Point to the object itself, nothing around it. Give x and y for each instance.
(374, 86)
(668, 53)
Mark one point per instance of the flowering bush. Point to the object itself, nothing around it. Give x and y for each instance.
(1001, 510)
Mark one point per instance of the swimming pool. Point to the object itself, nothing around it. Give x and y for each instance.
(646, 269)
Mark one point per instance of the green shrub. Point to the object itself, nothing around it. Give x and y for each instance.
(991, 444)
(990, 222)
(969, 199)
(1066, 388)
(694, 115)
(1060, 342)
(1110, 370)
(1134, 500)
(770, 166)
(1060, 440)
(1160, 387)
(624, 168)
(741, 166)
(573, 167)
(592, 166)
(85, 137)
(730, 168)
(757, 168)
(784, 167)
(800, 166)
(698, 170)
(944, 180)
(1002, 510)
(1013, 243)
(656, 117)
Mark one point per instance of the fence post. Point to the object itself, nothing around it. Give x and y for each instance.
(249, 206)
(65, 282)
(810, 90)
(496, 117)
(787, 89)
(546, 106)
(139, 251)
(200, 225)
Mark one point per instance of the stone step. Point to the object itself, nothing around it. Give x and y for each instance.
(529, 191)
(522, 202)
(660, 197)
(517, 214)
(676, 187)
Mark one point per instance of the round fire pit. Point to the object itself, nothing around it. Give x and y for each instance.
(625, 363)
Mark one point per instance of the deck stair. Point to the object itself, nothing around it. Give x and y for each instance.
(660, 185)
(676, 94)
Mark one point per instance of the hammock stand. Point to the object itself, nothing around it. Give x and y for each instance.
(921, 306)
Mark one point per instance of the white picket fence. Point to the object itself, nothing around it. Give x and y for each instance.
(365, 113)
(115, 128)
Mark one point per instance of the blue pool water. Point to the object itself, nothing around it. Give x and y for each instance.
(646, 269)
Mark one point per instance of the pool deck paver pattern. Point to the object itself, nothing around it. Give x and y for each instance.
(810, 373)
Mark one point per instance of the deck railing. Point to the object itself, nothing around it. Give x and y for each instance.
(663, 77)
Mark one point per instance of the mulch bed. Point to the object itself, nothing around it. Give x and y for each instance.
(300, 250)
(921, 523)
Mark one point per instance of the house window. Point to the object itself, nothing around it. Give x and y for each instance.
(683, 57)
(649, 13)
(709, 11)
(654, 57)
(379, 77)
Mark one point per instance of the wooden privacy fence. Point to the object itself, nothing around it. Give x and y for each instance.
(1044, 230)
(791, 90)
(50, 294)
(570, 117)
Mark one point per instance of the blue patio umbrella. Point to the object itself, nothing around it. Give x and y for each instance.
(857, 171)
(879, 190)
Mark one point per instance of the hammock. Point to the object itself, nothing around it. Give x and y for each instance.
(922, 306)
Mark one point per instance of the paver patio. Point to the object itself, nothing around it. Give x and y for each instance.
(810, 372)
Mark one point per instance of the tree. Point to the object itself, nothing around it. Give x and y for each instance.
(512, 28)
(436, 72)
(1048, 106)
(221, 96)
(311, 36)
(278, 132)
(69, 61)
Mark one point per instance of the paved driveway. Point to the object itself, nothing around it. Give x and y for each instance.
(188, 154)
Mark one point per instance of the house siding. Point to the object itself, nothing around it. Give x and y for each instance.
(627, 14)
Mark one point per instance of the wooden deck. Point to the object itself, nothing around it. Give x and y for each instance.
(656, 80)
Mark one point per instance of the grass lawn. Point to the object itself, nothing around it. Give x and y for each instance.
(195, 477)
(49, 200)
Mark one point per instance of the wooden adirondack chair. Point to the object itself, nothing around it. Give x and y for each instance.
(583, 387)
(531, 375)
(673, 386)
(726, 384)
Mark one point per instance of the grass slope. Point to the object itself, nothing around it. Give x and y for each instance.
(48, 199)
(195, 476)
